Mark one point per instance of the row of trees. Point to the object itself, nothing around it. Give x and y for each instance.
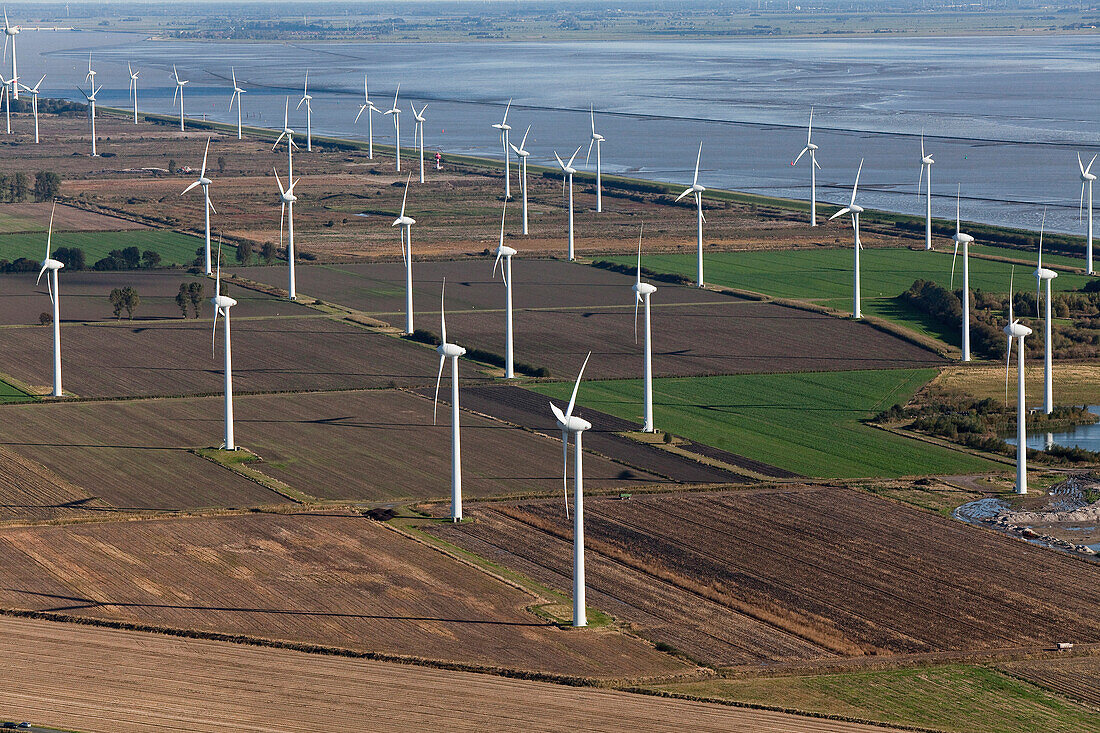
(190, 294)
(16, 188)
(124, 299)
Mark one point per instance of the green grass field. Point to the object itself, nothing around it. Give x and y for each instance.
(9, 224)
(808, 423)
(957, 698)
(174, 248)
(825, 276)
(9, 393)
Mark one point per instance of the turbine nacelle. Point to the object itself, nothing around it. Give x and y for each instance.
(643, 288)
(451, 350)
(505, 251)
(570, 424)
(811, 146)
(1017, 330)
(962, 238)
(51, 264)
(222, 302)
(927, 160)
(404, 221)
(1043, 273)
(855, 209)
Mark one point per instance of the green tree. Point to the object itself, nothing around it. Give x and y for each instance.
(116, 300)
(72, 257)
(45, 318)
(20, 187)
(244, 252)
(195, 293)
(182, 299)
(268, 252)
(47, 186)
(130, 300)
(150, 258)
(5, 188)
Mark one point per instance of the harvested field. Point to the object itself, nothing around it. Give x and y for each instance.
(75, 676)
(84, 296)
(1074, 384)
(342, 445)
(29, 491)
(833, 570)
(174, 358)
(35, 217)
(1076, 677)
(338, 581)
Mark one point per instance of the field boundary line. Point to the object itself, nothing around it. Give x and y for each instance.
(242, 469)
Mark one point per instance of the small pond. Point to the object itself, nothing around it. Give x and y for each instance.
(1080, 436)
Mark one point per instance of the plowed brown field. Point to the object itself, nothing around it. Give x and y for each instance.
(1075, 677)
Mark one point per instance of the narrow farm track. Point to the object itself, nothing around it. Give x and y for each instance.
(110, 681)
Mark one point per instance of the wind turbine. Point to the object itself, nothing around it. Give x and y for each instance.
(396, 112)
(567, 172)
(180, 83)
(34, 103)
(1042, 275)
(222, 304)
(926, 163)
(5, 97)
(814, 165)
(55, 297)
(290, 144)
(855, 211)
(505, 133)
(1016, 330)
(10, 32)
(700, 220)
(506, 273)
(91, 108)
(406, 224)
(288, 198)
(597, 140)
(1087, 177)
(522, 153)
(572, 425)
(418, 129)
(133, 89)
(307, 100)
(642, 291)
(964, 240)
(205, 182)
(453, 351)
(237, 92)
(370, 109)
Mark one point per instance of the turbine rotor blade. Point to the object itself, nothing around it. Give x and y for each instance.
(573, 398)
(438, 378)
(565, 468)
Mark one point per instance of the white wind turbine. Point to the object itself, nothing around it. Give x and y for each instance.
(1016, 330)
(91, 106)
(205, 182)
(33, 91)
(290, 144)
(567, 175)
(642, 291)
(1087, 177)
(506, 252)
(447, 349)
(10, 32)
(406, 224)
(307, 100)
(573, 425)
(700, 220)
(1042, 275)
(133, 90)
(287, 197)
(180, 83)
(814, 165)
(505, 134)
(964, 240)
(237, 92)
(55, 298)
(926, 163)
(597, 140)
(418, 131)
(5, 97)
(370, 109)
(396, 112)
(222, 304)
(522, 153)
(855, 211)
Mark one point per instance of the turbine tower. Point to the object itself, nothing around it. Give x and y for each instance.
(91, 106)
(370, 109)
(237, 92)
(287, 197)
(926, 163)
(1042, 275)
(506, 252)
(418, 130)
(307, 100)
(573, 425)
(522, 153)
(964, 240)
(10, 32)
(396, 112)
(642, 291)
(1087, 177)
(5, 97)
(505, 134)
(567, 175)
(814, 165)
(222, 304)
(597, 140)
(855, 211)
(205, 182)
(34, 103)
(55, 298)
(1016, 330)
(700, 220)
(453, 351)
(133, 89)
(180, 83)
(406, 224)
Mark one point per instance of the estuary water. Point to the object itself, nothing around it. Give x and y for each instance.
(1004, 116)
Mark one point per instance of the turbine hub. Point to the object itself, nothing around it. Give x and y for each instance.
(811, 146)
(288, 198)
(451, 350)
(505, 251)
(1088, 177)
(223, 301)
(1017, 330)
(204, 181)
(574, 424)
(962, 238)
(927, 160)
(52, 264)
(644, 288)
(855, 209)
(697, 188)
(1044, 274)
(405, 221)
